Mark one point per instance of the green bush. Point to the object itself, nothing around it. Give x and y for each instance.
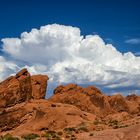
(113, 122)
(123, 126)
(82, 127)
(96, 122)
(60, 133)
(51, 135)
(8, 137)
(31, 136)
(69, 130)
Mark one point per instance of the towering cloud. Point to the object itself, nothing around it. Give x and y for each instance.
(66, 56)
(7, 68)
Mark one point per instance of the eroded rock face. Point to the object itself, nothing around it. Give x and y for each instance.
(92, 100)
(15, 89)
(22, 87)
(38, 115)
(134, 103)
(133, 97)
(39, 86)
(89, 99)
(118, 103)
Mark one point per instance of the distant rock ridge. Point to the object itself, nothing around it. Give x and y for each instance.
(92, 100)
(22, 87)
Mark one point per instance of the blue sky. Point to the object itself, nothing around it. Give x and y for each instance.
(52, 49)
(114, 20)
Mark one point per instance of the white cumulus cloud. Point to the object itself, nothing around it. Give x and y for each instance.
(67, 56)
(7, 68)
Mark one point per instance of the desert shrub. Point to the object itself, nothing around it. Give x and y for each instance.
(99, 128)
(114, 124)
(73, 139)
(30, 136)
(51, 135)
(47, 136)
(69, 130)
(8, 137)
(60, 133)
(67, 136)
(115, 127)
(82, 127)
(123, 126)
(96, 122)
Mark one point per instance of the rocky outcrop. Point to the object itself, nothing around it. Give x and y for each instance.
(89, 99)
(133, 97)
(74, 88)
(23, 107)
(133, 102)
(92, 100)
(15, 89)
(22, 87)
(39, 115)
(118, 103)
(39, 86)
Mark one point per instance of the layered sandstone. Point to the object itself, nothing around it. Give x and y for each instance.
(73, 112)
(22, 87)
(92, 100)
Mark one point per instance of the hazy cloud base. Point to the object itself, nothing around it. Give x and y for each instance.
(67, 56)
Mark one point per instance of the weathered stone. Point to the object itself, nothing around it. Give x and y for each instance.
(39, 86)
(22, 87)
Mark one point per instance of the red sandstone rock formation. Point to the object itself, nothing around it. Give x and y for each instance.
(92, 100)
(75, 111)
(22, 87)
(39, 115)
(39, 86)
(133, 102)
(15, 89)
(88, 99)
(118, 103)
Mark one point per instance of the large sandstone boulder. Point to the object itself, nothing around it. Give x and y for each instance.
(133, 102)
(22, 87)
(39, 86)
(89, 99)
(133, 97)
(15, 89)
(118, 103)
